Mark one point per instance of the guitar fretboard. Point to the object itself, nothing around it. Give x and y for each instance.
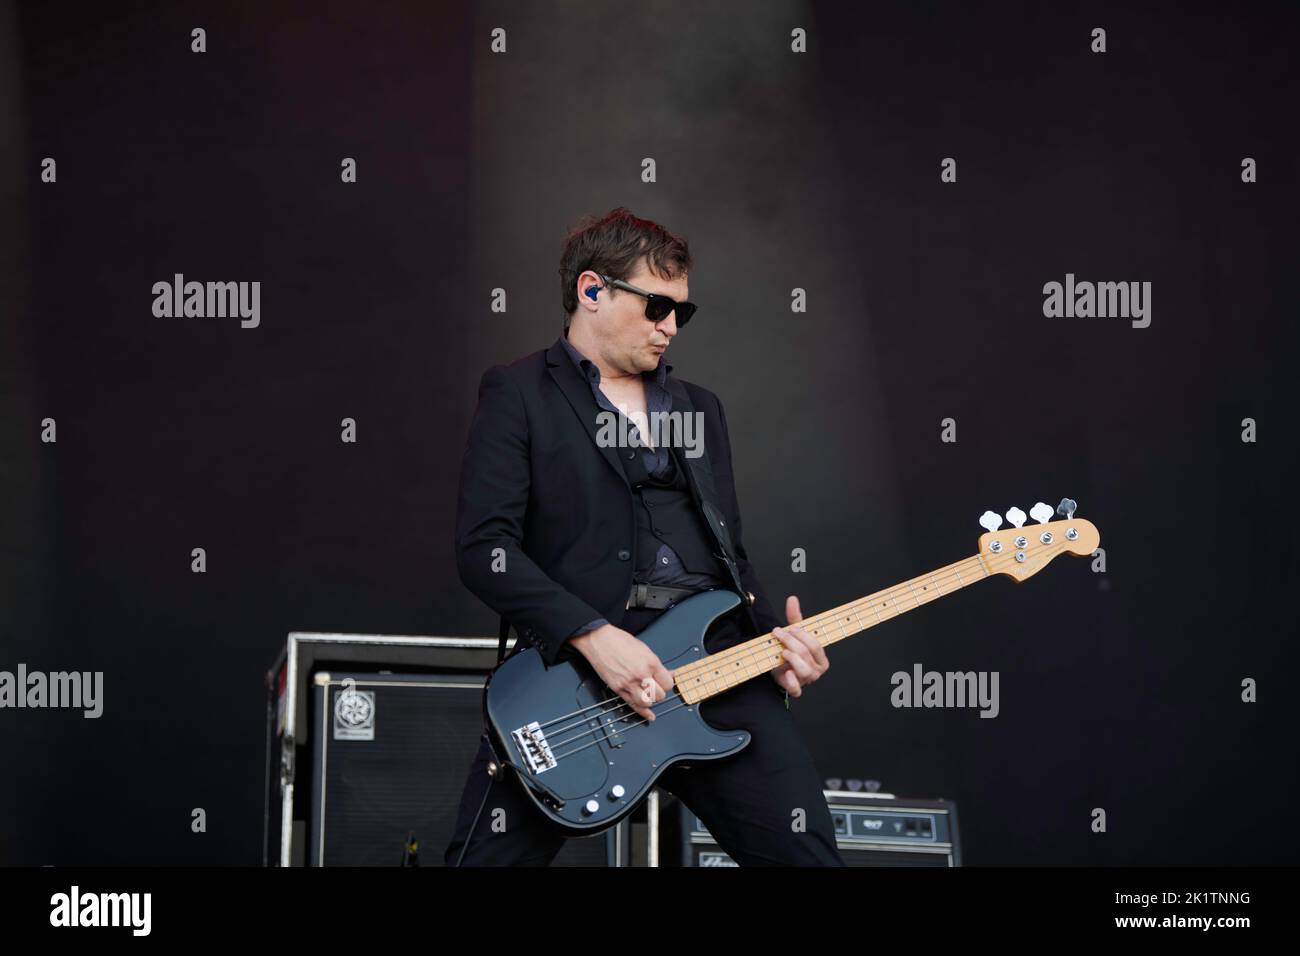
(719, 672)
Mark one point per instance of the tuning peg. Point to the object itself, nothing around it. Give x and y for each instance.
(991, 520)
(1016, 516)
(1067, 508)
(1041, 512)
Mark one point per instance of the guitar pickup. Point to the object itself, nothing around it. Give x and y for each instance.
(532, 744)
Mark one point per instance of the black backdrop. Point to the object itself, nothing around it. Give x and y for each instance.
(818, 171)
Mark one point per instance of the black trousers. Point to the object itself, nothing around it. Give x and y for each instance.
(763, 805)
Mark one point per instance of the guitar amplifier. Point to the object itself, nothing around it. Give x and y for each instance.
(871, 829)
(372, 748)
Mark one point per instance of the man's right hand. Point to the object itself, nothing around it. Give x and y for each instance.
(627, 666)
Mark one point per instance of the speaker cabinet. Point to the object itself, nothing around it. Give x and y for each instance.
(369, 741)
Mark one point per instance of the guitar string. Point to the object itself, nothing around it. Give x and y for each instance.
(750, 654)
(728, 653)
(643, 721)
(760, 652)
(832, 616)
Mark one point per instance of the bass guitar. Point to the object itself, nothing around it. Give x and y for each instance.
(586, 758)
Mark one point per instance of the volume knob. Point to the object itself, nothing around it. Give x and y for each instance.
(616, 792)
(590, 807)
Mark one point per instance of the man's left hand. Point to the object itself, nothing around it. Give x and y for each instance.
(804, 658)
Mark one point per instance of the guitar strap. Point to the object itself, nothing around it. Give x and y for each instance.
(699, 479)
(501, 646)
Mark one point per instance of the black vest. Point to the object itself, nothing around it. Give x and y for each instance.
(665, 514)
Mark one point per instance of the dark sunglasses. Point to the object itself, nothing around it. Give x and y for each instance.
(657, 306)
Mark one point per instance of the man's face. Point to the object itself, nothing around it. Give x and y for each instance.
(627, 339)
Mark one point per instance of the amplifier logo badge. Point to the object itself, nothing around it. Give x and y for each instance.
(354, 714)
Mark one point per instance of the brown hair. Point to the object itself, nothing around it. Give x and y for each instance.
(614, 245)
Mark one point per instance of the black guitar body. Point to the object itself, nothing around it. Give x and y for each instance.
(582, 754)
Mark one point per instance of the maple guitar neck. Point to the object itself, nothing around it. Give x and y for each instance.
(1016, 552)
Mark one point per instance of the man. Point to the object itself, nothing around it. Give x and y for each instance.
(580, 545)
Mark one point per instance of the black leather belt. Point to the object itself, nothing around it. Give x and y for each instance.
(658, 597)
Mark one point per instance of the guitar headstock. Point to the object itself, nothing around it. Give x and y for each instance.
(1021, 552)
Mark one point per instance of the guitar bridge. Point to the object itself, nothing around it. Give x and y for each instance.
(532, 744)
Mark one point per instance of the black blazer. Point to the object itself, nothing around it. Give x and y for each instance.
(535, 484)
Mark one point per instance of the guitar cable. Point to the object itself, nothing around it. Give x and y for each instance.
(486, 792)
(500, 766)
